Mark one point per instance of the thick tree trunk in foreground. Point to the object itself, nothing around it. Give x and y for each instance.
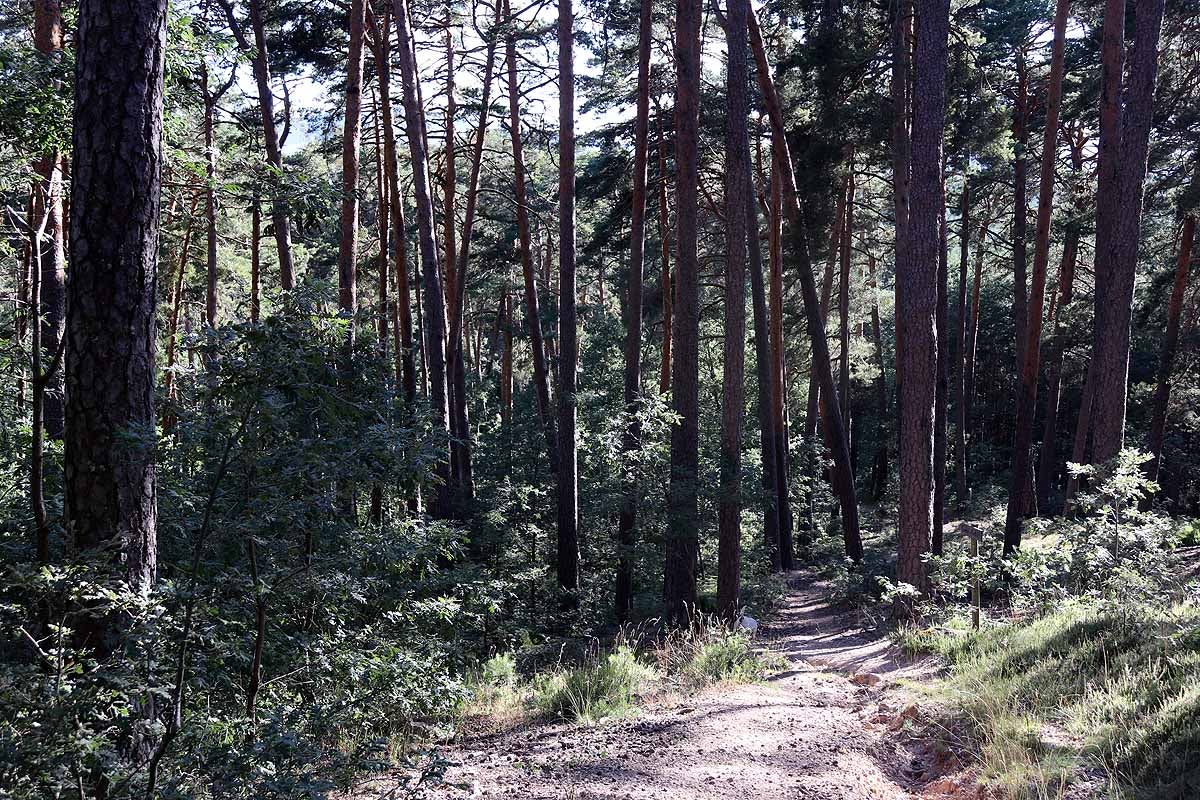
(541, 379)
(1020, 495)
(116, 177)
(568, 333)
(733, 392)
(917, 308)
(435, 309)
(1162, 392)
(631, 439)
(1124, 145)
(843, 478)
(683, 513)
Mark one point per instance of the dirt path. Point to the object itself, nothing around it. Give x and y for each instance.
(807, 732)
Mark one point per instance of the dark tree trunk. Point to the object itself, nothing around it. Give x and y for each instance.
(683, 513)
(255, 259)
(116, 177)
(733, 392)
(843, 478)
(435, 309)
(1162, 392)
(541, 376)
(1124, 145)
(568, 333)
(1020, 496)
(631, 439)
(901, 146)
(917, 304)
(1020, 129)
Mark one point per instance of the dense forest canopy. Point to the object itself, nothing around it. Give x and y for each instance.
(348, 344)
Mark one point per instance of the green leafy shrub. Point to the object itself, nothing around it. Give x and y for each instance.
(603, 687)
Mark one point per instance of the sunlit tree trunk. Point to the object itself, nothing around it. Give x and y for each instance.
(917, 306)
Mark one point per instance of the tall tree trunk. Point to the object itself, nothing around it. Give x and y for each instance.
(1048, 462)
(568, 333)
(168, 421)
(683, 513)
(844, 308)
(1162, 392)
(255, 259)
(1124, 145)
(1020, 130)
(383, 286)
(733, 393)
(787, 547)
(973, 327)
(116, 178)
(1020, 496)
(879, 471)
(435, 310)
(210, 199)
(843, 478)
(459, 418)
(664, 237)
(48, 39)
(901, 146)
(961, 487)
(52, 264)
(942, 391)
(917, 306)
(280, 218)
(632, 434)
(541, 379)
(406, 371)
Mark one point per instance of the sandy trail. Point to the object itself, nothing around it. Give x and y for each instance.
(804, 733)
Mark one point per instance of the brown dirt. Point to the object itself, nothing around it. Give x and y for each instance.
(808, 732)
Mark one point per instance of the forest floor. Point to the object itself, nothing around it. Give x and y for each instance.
(835, 724)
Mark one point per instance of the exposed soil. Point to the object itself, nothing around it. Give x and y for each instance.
(832, 726)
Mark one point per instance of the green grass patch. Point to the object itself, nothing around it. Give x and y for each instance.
(1112, 691)
(602, 687)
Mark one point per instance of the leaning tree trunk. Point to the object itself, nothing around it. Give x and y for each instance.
(733, 393)
(917, 309)
(843, 478)
(116, 178)
(1020, 495)
(1162, 392)
(631, 436)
